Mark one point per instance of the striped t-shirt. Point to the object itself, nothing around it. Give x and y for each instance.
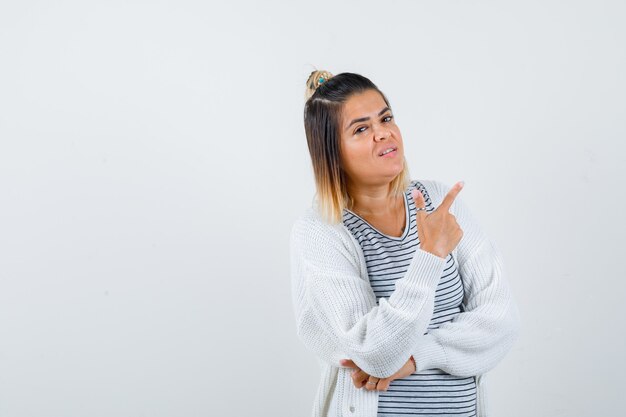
(432, 392)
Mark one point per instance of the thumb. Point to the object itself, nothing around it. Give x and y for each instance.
(347, 362)
(418, 198)
(420, 215)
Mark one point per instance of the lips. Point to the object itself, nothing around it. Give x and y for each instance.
(381, 153)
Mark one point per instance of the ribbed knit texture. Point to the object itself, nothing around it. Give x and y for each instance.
(337, 315)
(433, 391)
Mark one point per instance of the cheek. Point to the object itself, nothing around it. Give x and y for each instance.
(358, 153)
(354, 157)
(397, 133)
(349, 149)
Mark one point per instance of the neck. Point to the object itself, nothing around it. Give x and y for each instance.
(373, 199)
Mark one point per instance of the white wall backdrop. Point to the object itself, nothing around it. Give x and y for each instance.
(153, 160)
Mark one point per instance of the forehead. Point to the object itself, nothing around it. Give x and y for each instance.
(367, 103)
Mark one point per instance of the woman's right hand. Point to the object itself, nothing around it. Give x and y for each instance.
(438, 231)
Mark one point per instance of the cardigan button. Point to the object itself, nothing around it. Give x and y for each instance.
(351, 409)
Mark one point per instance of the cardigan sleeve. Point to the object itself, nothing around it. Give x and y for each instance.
(478, 337)
(335, 307)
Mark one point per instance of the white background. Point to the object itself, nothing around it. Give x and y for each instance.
(153, 160)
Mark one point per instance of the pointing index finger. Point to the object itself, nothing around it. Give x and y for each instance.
(449, 198)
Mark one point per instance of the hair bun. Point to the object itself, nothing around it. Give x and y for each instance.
(317, 78)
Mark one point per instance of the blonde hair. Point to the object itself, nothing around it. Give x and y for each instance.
(325, 95)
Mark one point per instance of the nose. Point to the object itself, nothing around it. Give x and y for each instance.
(382, 134)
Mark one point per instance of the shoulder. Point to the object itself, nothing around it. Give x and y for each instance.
(321, 242)
(310, 228)
(312, 222)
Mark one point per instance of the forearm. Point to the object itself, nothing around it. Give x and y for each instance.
(477, 338)
(468, 347)
(378, 338)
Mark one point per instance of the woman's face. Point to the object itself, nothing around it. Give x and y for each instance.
(368, 130)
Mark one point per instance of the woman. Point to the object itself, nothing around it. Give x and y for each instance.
(396, 288)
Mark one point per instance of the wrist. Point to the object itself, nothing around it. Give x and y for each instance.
(431, 251)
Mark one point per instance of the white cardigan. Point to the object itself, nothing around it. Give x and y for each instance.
(337, 315)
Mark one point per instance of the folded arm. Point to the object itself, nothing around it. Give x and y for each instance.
(479, 337)
(336, 312)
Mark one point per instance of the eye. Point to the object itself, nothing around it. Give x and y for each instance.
(359, 130)
(387, 118)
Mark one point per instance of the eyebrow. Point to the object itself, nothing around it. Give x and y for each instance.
(362, 119)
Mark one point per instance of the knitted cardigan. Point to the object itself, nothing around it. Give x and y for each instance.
(337, 315)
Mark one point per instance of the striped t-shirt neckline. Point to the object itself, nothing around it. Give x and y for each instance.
(407, 223)
(431, 392)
